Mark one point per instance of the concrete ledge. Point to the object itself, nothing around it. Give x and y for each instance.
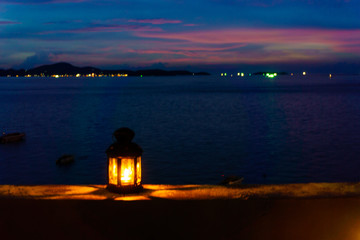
(184, 192)
(326, 211)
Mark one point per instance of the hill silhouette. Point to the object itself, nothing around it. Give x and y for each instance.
(64, 68)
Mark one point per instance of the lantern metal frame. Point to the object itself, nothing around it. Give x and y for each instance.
(119, 188)
(123, 149)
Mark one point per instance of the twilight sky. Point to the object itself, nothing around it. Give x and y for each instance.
(209, 35)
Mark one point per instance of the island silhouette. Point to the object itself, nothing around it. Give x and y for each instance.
(67, 70)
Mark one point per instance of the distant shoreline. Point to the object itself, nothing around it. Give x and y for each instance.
(68, 70)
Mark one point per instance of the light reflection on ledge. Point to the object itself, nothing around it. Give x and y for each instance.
(183, 192)
(132, 198)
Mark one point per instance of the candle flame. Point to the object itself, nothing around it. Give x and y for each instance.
(127, 171)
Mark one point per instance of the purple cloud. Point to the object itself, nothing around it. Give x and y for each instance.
(107, 28)
(190, 25)
(36, 60)
(256, 3)
(63, 22)
(115, 28)
(41, 1)
(157, 21)
(8, 22)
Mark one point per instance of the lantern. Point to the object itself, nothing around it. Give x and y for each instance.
(124, 163)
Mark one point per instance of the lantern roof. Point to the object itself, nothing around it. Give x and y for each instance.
(124, 150)
(123, 147)
(124, 135)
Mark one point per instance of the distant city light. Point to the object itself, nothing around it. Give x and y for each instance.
(238, 74)
(222, 74)
(271, 75)
(304, 73)
(330, 75)
(242, 74)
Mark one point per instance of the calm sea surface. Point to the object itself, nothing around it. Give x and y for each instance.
(192, 129)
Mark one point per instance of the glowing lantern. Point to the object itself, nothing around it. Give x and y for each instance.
(124, 163)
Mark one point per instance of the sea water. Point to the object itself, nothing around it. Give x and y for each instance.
(192, 129)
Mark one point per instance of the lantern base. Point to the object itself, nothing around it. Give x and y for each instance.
(124, 189)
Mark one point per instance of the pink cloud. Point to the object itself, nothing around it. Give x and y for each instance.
(254, 46)
(292, 37)
(190, 25)
(150, 45)
(107, 28)
(190, 51)
(114, 28)
(157, 21)
(165, 52)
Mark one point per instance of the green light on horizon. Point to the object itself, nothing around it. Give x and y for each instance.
(271, 75)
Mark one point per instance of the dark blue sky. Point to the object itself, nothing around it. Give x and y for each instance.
(212, 35)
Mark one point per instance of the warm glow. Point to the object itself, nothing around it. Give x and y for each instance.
(138, 171)
(126, 175)
(304, 73)
(113, 171)
(132, 198)
(127, 171)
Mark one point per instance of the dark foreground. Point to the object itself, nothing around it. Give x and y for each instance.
(158, 218)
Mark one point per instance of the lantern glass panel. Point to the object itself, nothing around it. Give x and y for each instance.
(113, 171)
(138, 171)
(127, 171)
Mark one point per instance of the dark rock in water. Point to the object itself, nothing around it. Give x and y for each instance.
(12, 137)
(65, 159)
(232, 181)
